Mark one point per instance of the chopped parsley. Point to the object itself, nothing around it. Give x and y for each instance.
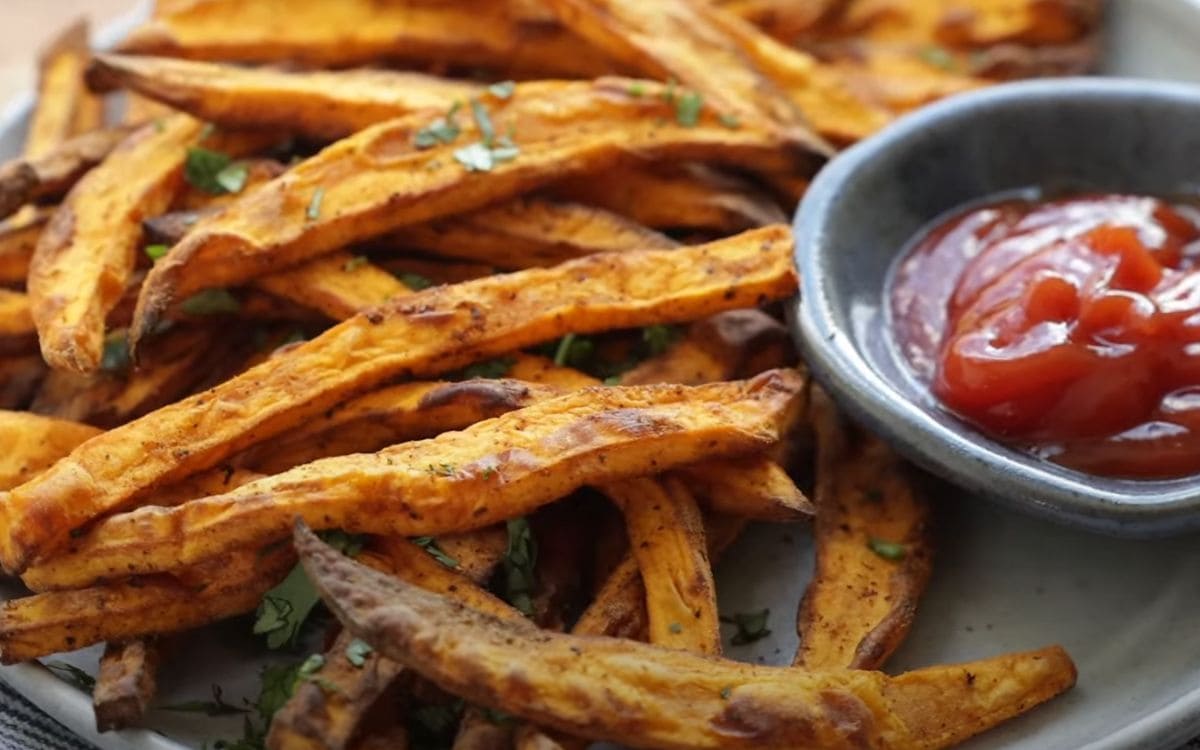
(483, 121)
(72, 674)
(279, 683)
(636, 89)
(115, 357)
(478, 157)
(357, 652)
(492, 368)
(659, 338)
(443, 470)
(211, 302)
(415, 281)
(214, 172)
(430, 545)
(314, 205)
(938, 57)
(444, 130)
(751, 626)
(687, 109)
(887, 550)
(355, 263)
(502, 89)
(574, 351)
(520, 559)
(285, 608)
(156, 252)
(215, 707)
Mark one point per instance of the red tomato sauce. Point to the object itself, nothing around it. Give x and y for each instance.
(1070, 328)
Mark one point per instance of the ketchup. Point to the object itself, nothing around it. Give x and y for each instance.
(1070, 328)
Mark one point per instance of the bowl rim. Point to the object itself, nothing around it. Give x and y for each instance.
(1123, 507)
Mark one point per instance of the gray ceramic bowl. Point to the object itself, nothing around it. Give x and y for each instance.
(866, 206)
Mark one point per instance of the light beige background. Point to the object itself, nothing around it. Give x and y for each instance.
(25, 25)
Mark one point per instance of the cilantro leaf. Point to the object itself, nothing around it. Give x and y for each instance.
(520, 559)
(115, 358)
(233, 177)
(444, 130)
(687, 109)
(314, 205)
(72, 674)
(938, 57)
(492, 368)
(502, 89)
(211, 302)
(574, 351)
(415, 281)
(357, 652)
(483, 121)
(887, 550)
(659, 338)
(215, 707)
(475, 157)
(355, 263)
(730, 121)
(751, 626)
(156, 252)
(430, 545)
(285, 608)
(202, 167)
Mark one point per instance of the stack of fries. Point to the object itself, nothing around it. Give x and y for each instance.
(503, 326)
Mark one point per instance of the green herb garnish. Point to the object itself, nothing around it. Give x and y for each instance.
(211, 302)
(938, 57)
(659, 338)
(355, 263)
(502, 89)
(730, 121)
(430, 545)
(520, 559)
(445, 130)
(156, 252)
(687, 109)
(357, 652)
(314, 205)
(215, 707)
(751, 626)
(492, 368)
(286, 607)
(72, 674)
(415, 281)
(213, 172)
(887, 550)
(115, 357)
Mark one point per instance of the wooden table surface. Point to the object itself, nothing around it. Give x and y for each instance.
(25, 25)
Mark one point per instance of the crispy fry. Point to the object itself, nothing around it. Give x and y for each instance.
(441, 328)
(783, 19)
(738, 343)
(623, 691)
(42, 624)
(495, 470)
(675, 196)
(140, 110)
(324, 105)
(862, 599)
(19, 380)
(353, 32)
(125, 684)
(35, 443)
(86, 255)
(378, 180)
(754, 488)
(194, 201)
(529, 232)
(16, 322)
(666, 534)
(18, 237)
(436, 270)
(64, 107)
(51, 175)
(982, 23)
(340, 285)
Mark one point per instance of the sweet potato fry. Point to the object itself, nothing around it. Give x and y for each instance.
(51, 175)
(379, 180)
(441, 328)
(982, 23)
(785, 20)
(435, 270)
(64, 107)
(874, 550)
(86, 255)
(339, 285)
(35, 442)
(16, 322)
(353, 32)
(19, 380)
(624, 691)
(666, 535)
(323, 105)
(529, 232)
(495, 470)
(18, 237)
(755, 488)
(43, 624)
(125, 684)
(675, 196)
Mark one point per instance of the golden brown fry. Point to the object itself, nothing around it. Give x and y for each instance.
(324, 105)
(476, 552)
(624, 691)
(982, 23)
(16, 322)
(51, 175)
(440, 329)
(675, 196)
(353, 32)
(435, 270)
(339, 285)
(140, 110)
(35, 442)
(529, 232)
(125, 684)
(86, 255)
(378, 180)
(19, 380)
(874, 550)
(666, 535)
(783, 19)
(495, 470)
(18, 237)
(43, 624)
(750, 487)
(64, 108)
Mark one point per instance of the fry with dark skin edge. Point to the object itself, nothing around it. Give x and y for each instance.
(86, 255)
(64, 107)
(495, 470)
(354, 32)
(18, 238)
(624, 691)
(323, 719)
(675, 196)
(378, 180)
(322, 105)
(528, 232)
(666, 535)
(874, 549)
(125, 684)
(43, 624)
(51, 175)
(442, 328)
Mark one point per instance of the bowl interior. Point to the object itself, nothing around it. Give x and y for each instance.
(867, 205)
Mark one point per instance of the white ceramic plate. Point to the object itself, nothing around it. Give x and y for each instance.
(1127, 611)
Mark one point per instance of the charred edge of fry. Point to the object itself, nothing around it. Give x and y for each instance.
(125, 684)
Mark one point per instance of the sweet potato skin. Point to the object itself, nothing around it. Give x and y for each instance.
(378, 180)
(125, 684)
(622, 691)
(51, 175)
(442, 327)
(860, 605)
(18, 238)
(493, 471)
